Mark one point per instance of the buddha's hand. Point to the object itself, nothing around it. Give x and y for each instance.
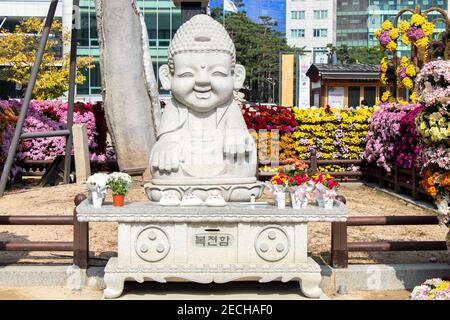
(238, 141)
(166, 155)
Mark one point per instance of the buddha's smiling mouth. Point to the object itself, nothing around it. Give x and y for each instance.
(202, 94)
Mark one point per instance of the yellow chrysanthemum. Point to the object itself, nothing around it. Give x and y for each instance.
(385, 97)
(428, 28)
(408, 83)
(404, 26)
(387, 25)
(422, 43)
(394, 34)
(377, 33)
(383, 79)
(391, 46)
(384, 64)
(405, 39)
(404, 61)
(411, 70)
(413, 97)
(417, 20)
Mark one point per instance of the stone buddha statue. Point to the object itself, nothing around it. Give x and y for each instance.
(203, 144)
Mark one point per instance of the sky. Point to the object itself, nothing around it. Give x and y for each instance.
(256, 8)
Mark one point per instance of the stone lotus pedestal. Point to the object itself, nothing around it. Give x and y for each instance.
(205, 245)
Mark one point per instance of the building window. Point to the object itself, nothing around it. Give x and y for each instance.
(320, 14)
(353, 96)
(320, 33)
(297, 33)
(298, 15)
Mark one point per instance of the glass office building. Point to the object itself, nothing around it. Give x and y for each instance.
(163, 20)
(257, 8)
(357, 21)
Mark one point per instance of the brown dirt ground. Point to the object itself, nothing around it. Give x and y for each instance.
(361, 200)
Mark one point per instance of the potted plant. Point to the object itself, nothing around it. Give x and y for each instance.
(295, 171)
(325, 190)
(119, 183)
(299, 188)
(279, 185)
(97, 185)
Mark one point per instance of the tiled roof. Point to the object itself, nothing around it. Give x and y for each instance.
(344, 71)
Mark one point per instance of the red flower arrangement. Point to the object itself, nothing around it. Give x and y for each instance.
(326, 180)
(298, 180)
(269, 118)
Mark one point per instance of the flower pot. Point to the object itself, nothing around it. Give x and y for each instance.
(328, 203)
(320, 201)
(442, 200)
(281, 199)
(97, 199)
(118, 200)
(295, 201)
(299, 198)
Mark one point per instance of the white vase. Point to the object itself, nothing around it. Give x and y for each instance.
(97, 199)
(295, 202)
(442, 200)
(299, 202)
(328, 203)
(320, 201)
(281, 199)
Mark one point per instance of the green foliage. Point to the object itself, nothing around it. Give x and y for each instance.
(362, 55)
(18, 51)
(118, 186)
(258, 47)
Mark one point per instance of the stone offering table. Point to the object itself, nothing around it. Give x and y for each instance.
(205, 244)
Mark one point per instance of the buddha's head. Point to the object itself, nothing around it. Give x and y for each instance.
(202, 71)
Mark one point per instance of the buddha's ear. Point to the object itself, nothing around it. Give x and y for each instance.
(165, 77)
(239, 76)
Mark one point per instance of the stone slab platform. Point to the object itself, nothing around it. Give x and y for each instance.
(234, 212)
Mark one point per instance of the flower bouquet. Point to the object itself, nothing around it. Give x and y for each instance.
(299, 188)
(325, 188)
(437, 184)
(278, 186)
(97, 185)
(295, 170)
(119, 183)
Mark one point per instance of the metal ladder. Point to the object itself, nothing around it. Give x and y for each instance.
(18, 135)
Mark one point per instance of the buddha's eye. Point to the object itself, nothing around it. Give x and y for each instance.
(186, 75)
(220, 74)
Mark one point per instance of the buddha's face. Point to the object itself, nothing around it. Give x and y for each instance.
(202, 81)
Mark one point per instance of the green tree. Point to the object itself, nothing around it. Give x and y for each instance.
(258, 47)
(18, 51)
(362, 55)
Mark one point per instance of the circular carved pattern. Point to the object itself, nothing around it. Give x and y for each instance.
(272, 243)
(152, 244)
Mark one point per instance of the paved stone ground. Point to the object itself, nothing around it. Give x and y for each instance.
(190, 291)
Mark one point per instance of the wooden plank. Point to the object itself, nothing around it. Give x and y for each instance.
(36, 246)
(339, 252)
(36, 220)
(80, 237)
(397, 246)
(391, 220)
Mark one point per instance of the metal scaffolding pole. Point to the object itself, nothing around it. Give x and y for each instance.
(28, 95)
(72, 88)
